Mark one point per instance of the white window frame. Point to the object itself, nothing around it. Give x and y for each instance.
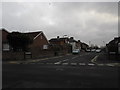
(45, 47)
(6, 47)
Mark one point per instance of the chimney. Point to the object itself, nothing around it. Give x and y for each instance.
(71, 38)
(58, 37)
(78, 40)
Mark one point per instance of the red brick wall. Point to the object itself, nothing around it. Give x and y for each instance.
(4, 35)
(39, 42)
(12, 56)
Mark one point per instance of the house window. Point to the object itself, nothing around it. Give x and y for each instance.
(45, 46)
(6, 47)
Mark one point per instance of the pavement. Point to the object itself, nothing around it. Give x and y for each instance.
(32, 60)
(102, 59)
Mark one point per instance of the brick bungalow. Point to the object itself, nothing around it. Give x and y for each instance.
(39, 40)
(39, 47)
(5, 45)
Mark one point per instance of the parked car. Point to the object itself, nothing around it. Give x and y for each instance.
(88, 50)
(76, 51)
(93, 50)
(98, 50)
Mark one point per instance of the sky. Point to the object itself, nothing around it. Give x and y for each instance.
(90, 22)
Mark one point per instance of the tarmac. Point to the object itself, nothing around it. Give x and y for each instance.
(103, 59)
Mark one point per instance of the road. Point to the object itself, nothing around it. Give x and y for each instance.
(70, 71)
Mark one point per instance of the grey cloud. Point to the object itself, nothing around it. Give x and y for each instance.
(84, 21)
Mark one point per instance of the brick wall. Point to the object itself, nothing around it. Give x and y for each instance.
(13, 56)
(39, 42)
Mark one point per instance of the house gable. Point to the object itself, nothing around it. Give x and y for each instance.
(39, 40)
(5, 45)
(4, 35)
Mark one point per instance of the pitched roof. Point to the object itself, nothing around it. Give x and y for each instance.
(115, 41)
(4, 35)
(58, 39)
(84, 44)
(33, 35)
(72, 40)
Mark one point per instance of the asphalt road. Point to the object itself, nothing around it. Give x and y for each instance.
(71, 71)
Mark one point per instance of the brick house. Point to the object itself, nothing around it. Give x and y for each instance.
(69, 44)
(5, 44)
(75, 44)
(59, 41)
(38, 48)
(78, 44)
(84, 46)
(114, 45)
(113, 49)
(40, 41)
(61, 44)
(40, 45)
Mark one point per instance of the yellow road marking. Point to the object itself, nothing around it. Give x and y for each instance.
(94, 59)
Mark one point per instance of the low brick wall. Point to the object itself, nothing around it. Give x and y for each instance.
(42, 54)
(7, 56)
(12, 56)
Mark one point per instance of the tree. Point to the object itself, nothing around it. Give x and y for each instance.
(19, 41)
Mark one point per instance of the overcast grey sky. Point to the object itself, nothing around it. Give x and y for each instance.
(88, 21)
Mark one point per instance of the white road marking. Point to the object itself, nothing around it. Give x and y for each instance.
(61, 61)
(91, 64)
(74, 57)
(82, 64)
(58, 63)
(110, 65)
(65, 60)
